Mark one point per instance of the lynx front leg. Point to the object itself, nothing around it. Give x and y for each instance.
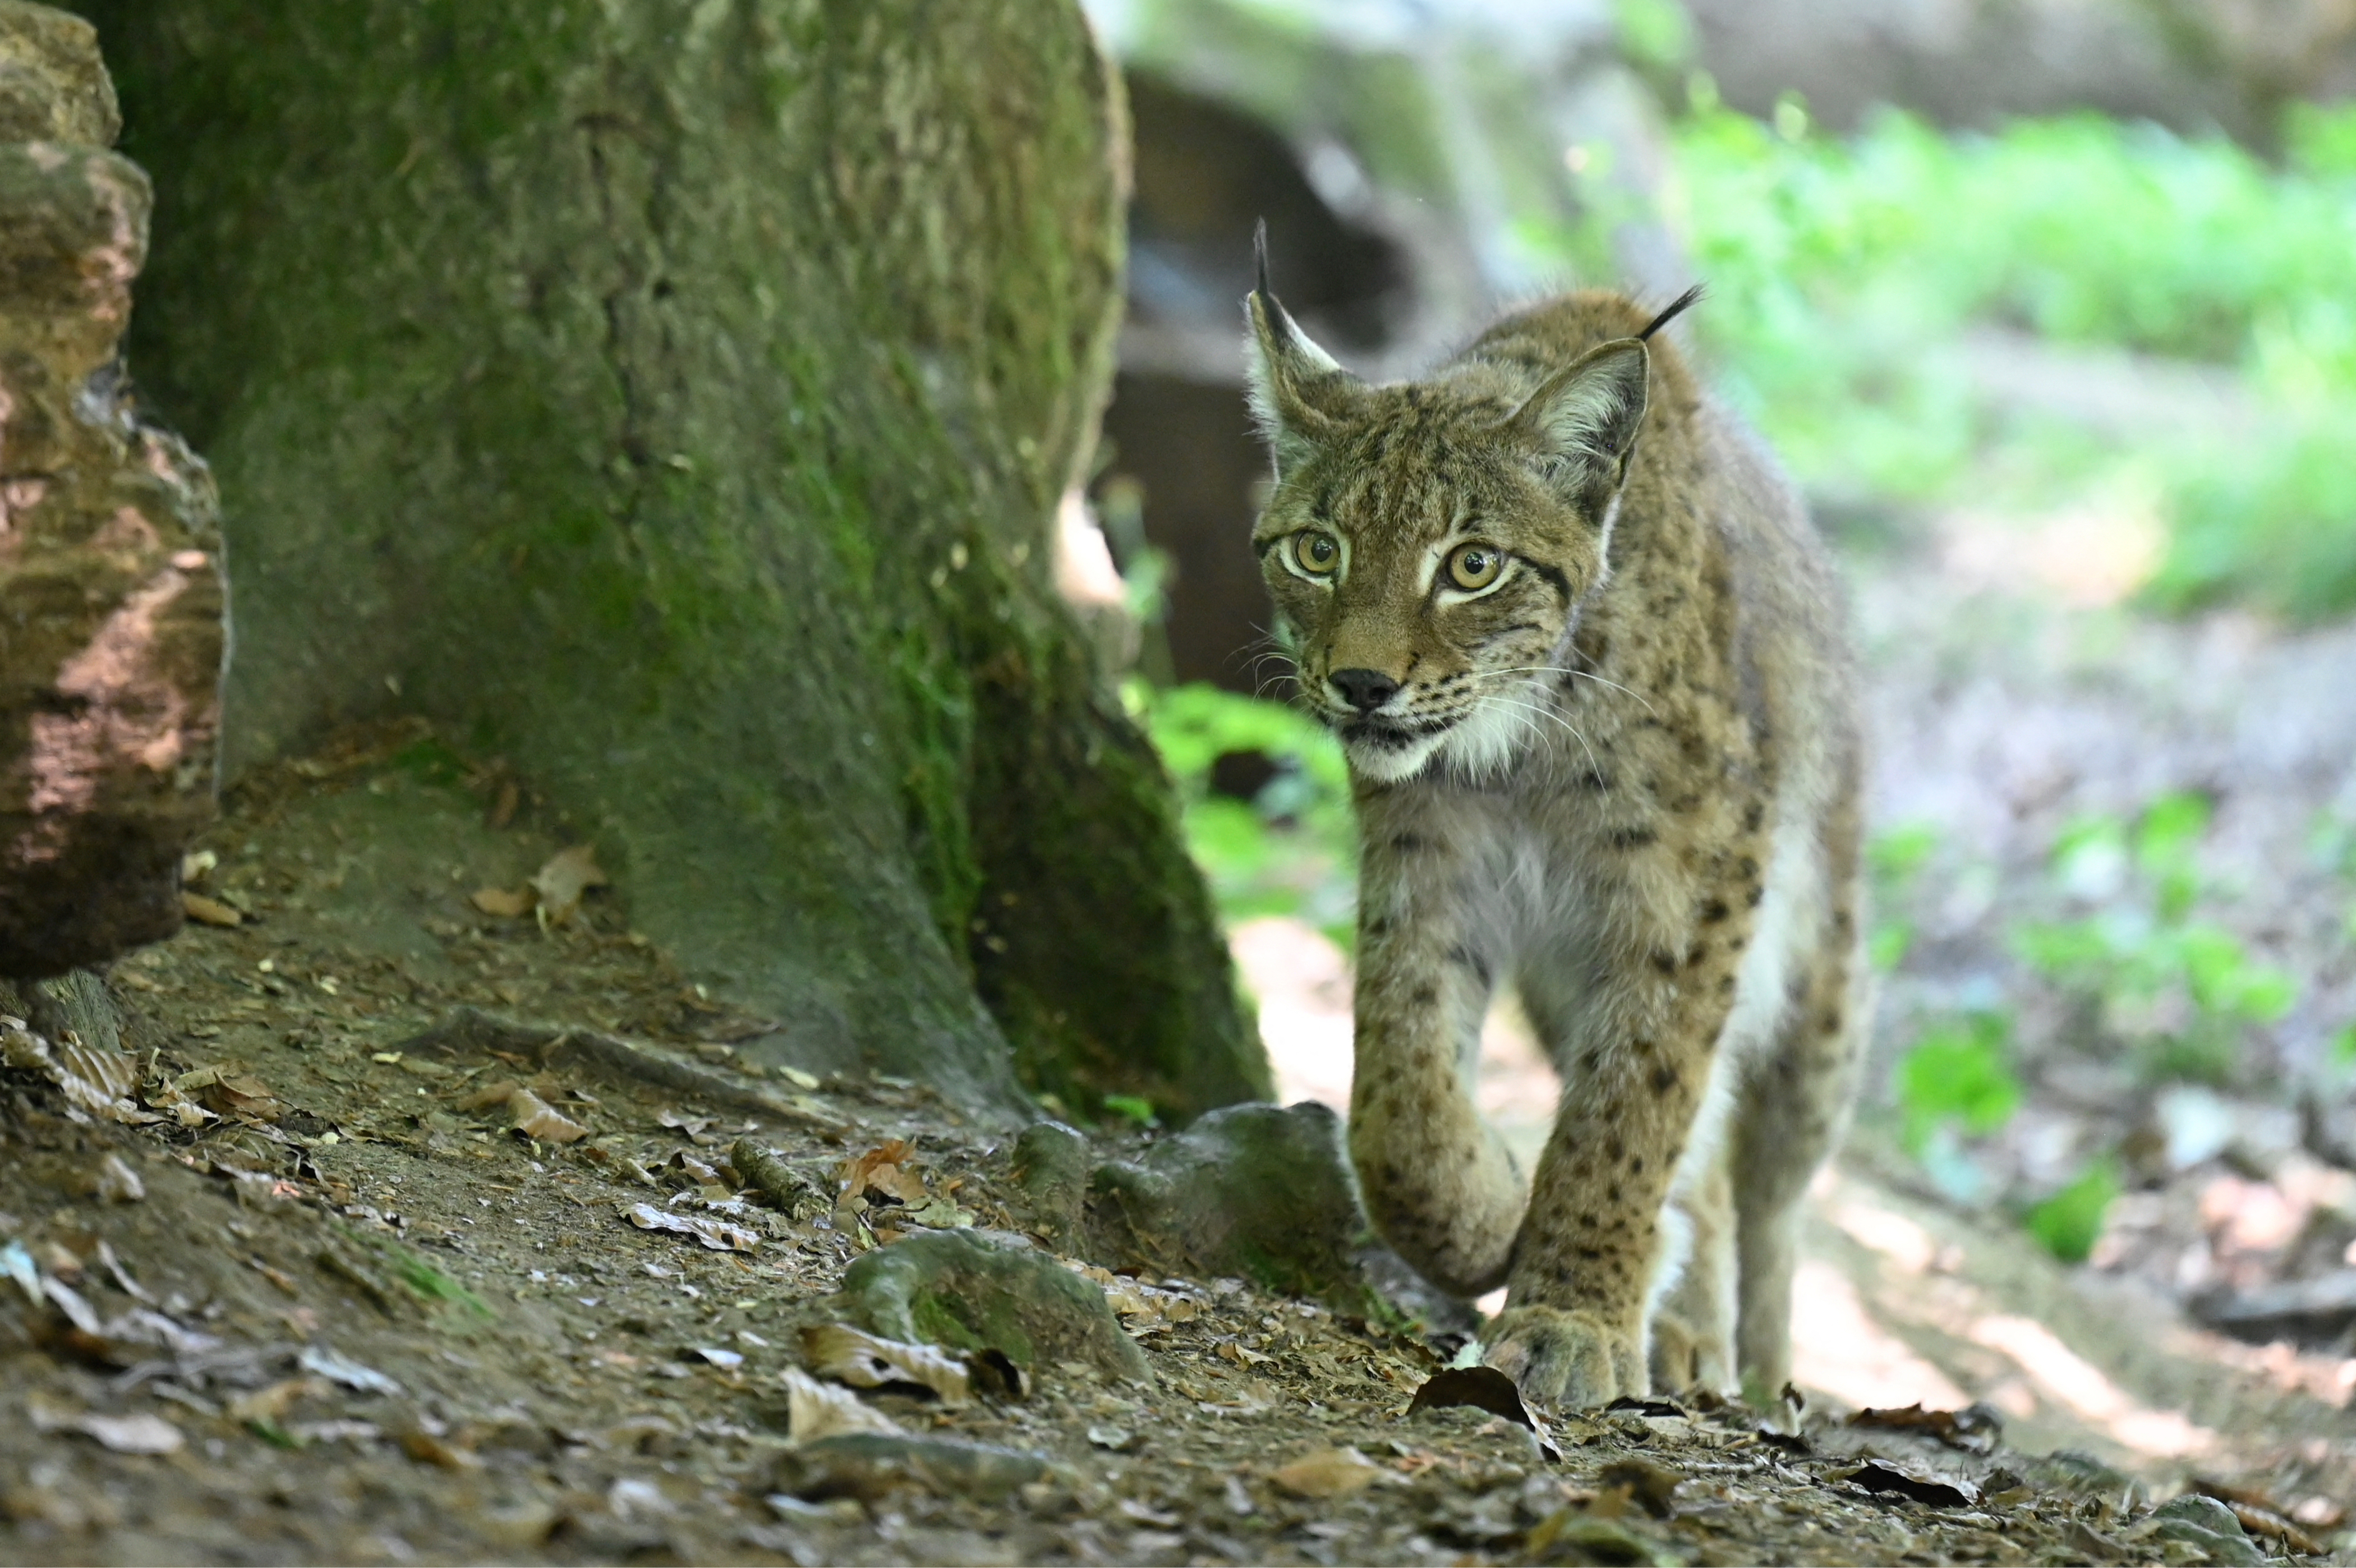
(1440, 1185)
(1573, 1331)
(1637, 1043)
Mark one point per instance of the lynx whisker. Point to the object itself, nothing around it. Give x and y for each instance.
(1544, 711)
(1564, 670)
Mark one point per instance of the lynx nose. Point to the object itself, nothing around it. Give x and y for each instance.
(1364, 690)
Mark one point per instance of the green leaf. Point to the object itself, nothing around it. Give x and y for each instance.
(1292, 851)
(1887, 947)
(2223, 981)
(1137, 1109)
(1958, 1073)
(1655, 34)
(2171, 828)
(1897, 853)
(2063, 949)
(2166, 839)
(2068, 1223)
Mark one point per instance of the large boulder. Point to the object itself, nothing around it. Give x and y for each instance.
(110, 548)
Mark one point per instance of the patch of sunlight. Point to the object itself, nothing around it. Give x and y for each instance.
(2068, 1379)
(1300, 978)
(1837, 1349)
(2090, 556)
(1898, 1238)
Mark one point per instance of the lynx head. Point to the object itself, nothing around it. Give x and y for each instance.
(1427, 544)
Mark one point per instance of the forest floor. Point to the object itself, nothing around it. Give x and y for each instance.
(326, 1302)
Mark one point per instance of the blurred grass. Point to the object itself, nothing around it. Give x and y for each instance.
(1292, 848)
(1845, 275)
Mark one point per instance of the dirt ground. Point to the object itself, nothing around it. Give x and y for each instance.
(324, 1300)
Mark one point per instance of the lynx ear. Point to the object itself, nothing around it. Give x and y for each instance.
(1299, 395)
(1580, 427)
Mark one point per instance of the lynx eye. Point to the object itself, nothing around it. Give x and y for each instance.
(1475, 566)
(1316, 553)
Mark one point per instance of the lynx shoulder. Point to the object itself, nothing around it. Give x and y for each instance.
(1586, 657)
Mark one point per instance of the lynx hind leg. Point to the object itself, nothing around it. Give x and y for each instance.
(1793, 1109)
(1692, 1327)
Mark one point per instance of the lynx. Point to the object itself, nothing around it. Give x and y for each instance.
(1586, 658)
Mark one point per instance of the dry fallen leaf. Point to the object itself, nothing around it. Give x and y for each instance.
(123, 1433)
(1651, 1486)
(536, 1119)
(1955, 1492)
(1329, 1473)
(351, 1374)
(508, 903)
(720, 1238)
(839, 1351)
(94, 1081)
(883, 1171)
(427, 1449)
(568, 875)
(1146, 1308)
(816, 1410)
(118, 1183)
(1975, 1428)
(245, 1096)
(209, 911)
(1481, 1388)
(490, 1095)
(271, 1403)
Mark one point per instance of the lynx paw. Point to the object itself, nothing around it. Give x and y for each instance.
(1684, 1361)
(1572, 1360)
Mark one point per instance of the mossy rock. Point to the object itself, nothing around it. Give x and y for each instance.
(1051, 1172)
(976, 1292)
(1265, 1194)
(872, 1465)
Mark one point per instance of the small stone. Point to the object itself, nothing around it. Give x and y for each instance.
(974, 1289)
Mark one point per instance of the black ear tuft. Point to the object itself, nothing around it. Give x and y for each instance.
(1299, 394)
(1690, 296)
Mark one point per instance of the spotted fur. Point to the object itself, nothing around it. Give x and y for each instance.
(1623, 777)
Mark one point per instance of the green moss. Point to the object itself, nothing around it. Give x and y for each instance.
(429, 761)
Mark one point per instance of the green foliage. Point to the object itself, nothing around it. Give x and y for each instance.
(1135, 1109)
(2167, 836)
(432, 1284)
(1897, 854)
(2141, 947)
(1896, 857)
(2321, 141)
(1654, 35)
(1292, 851)
(2068, 1223)
(1845, 275)
(430, 761)
(1958, 1075)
